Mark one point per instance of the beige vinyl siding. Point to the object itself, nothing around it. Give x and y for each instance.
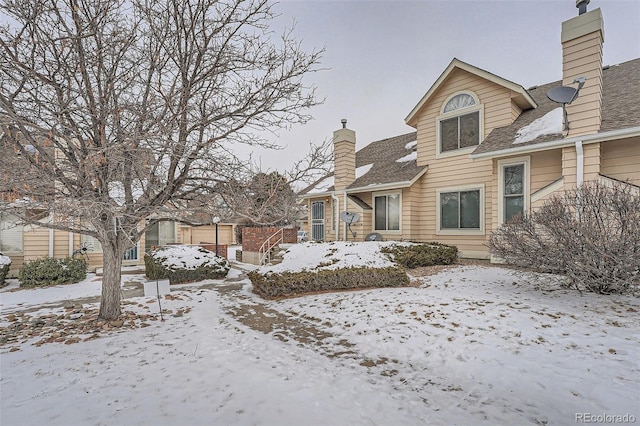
(16, 264)
(207, 234)
(621, 159)
(592, 161)
(569, 167)
(35, 242)
(546, 167)
(60, 244)
(515, 111)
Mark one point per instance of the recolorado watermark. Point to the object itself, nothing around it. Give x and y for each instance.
(605, 418)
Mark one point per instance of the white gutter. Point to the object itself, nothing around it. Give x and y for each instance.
(391, 185)
(336, 218)
(579, 164)
(559, 143)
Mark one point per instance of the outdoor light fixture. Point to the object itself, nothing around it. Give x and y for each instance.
(216, 221)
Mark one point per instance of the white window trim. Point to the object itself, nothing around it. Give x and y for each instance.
(470, 187)
(455, 113)
(526, 160)
(373, 221)
(20, 230)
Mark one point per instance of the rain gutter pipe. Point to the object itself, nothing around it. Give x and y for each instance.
(336, 218)
(579, 164)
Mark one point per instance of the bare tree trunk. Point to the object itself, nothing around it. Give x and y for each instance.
(111, 290)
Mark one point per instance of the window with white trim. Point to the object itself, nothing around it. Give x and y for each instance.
(10, 234)
(459, 126)
(513, 187)
(387, 212)
(460, 209)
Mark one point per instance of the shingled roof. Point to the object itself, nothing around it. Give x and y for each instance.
(620, 109)
(384, 162)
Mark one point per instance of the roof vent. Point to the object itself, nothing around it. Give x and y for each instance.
(344, 123)
(582, 6)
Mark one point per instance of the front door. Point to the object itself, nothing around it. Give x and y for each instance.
(317, 220)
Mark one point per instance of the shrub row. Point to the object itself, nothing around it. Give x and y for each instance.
(161, 264)
(50, 271)
(426, 254)
(274, 285)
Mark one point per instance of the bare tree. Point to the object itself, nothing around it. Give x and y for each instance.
(123, 110)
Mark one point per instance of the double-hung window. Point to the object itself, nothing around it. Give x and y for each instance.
(513, 189)
(10, 234)
(460, 124)
(387, 212)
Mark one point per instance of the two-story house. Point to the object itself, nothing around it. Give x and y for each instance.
(485, 149)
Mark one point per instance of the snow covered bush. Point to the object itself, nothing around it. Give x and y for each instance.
(298, 283)
(51, 271)
(184, 264)
(5, 264)
(339, 265)
(425, 254)
(591, 235)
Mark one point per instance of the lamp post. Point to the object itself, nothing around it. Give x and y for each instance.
(216, 221)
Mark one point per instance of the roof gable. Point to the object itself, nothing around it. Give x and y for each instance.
(521, 97)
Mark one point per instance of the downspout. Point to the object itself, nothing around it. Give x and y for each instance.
(344, 234)
(336, 217)
(579, 164)
(579, 176)
(71, 240)
(51, 236)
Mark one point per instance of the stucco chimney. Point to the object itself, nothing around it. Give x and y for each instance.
(344, 156)
(582, 39)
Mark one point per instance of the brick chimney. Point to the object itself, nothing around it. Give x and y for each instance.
(582, 39)
(344, 156)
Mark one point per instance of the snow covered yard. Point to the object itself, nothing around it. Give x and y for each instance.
(469, 345)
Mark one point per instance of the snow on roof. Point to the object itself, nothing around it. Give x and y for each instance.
(334, 255)
(322, 186)
(409, 157)
(411, 145)
(548, 124)
(363, 170)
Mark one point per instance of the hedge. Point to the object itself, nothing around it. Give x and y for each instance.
(51, 271)
(423, 254)
(163, 263)
(273, 285)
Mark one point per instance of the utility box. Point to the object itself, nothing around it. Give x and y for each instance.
(156, 287)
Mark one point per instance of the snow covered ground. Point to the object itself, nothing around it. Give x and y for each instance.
(469, 345)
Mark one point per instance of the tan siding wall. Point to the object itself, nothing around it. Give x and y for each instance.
(35, 242)
(569, 167)
(546, 167)
(207, 234)
(60, 244)
(592, 161)
(621, 159)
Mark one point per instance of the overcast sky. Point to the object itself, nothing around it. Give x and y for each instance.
(383, 56)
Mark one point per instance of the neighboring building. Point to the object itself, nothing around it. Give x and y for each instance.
(484, 150)
(28, 242)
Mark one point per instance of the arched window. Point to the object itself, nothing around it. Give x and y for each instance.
(460, 125)
(462, 100)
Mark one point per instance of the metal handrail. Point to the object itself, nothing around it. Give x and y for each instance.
(266, 252)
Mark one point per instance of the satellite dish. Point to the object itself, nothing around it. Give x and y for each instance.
(349, 217)
(374, 236)
(563, 94)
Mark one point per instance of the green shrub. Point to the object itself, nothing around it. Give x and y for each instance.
(50, 271)
(181, 264)
(5, 264)
(272, 285)
(426, 254)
